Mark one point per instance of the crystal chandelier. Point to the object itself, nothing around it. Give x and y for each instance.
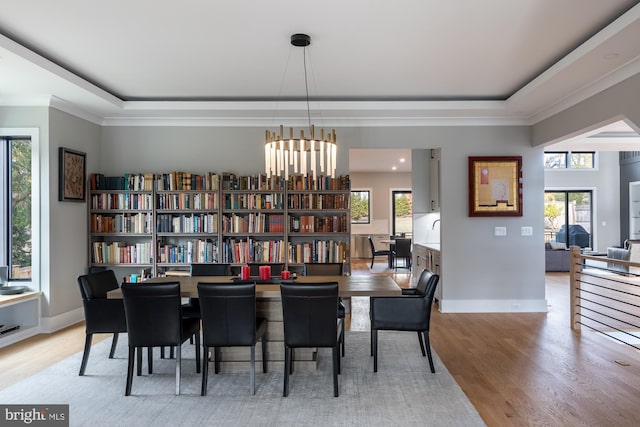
(305, 155)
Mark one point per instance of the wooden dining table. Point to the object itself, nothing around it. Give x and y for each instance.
(269, 306)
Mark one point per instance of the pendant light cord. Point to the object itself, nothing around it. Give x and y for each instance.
(306, 85)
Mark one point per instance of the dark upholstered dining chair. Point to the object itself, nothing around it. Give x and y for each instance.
(101, 315)
(154, 319)
(402, 250)
(375, 252)
(329, 269)
(409, 312)
(229, 320)
(310, 319)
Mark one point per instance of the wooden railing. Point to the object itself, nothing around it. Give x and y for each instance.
(605, 296)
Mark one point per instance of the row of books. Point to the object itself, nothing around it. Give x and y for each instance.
(178, 180)
(318, 224)
(129, 181)
(122, 253)
(196, 201)
(250, 250)
(318, 251)
(231, 181)
(123, 201)
(318, 201)
(253, 223)
(192, 251)
(121, 223)
(321, 182)
(191, 223)
(254, 201)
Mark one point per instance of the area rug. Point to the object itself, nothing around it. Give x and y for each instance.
(403, 392)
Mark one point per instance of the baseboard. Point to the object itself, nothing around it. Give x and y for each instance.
(61, 321)
(494, 306)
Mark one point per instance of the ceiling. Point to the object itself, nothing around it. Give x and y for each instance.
(371, 62)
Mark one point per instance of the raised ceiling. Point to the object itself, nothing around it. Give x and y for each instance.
(371, 62)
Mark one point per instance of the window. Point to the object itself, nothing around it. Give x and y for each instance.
(568, 218)
(360, 207)
(402, 213)
(16, 206)
(569, 159)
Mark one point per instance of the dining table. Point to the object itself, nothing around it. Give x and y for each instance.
(269, 306)
(392, 247)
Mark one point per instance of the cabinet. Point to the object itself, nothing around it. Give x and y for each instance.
(165, 222)
(634, 210)
(22, 310)
(434, 179)
(427, 256)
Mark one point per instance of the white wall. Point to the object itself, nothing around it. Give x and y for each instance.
(603, 181)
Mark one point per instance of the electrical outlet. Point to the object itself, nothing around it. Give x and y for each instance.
(501, 231)
(526, 231)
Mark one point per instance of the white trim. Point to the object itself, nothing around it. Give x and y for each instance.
(61, 321)
(494, 306)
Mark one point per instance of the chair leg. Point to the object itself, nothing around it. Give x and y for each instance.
(428, 344)
(291, 359)
(342, 338)
(131, 358)
(197, 348)
(372, 258)
(139, 361)
(114, 343)
(336, 368)
(216, 352)
(85, 355)
(371, 342)
(421, 344)
(374, 342)
(264, 353)
(287, 362)
(178, 363)
(252, 381)
(150, 360)
(162, 352)
(205, 372)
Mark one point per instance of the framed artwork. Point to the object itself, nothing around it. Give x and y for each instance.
(73, 172)
(495, 186)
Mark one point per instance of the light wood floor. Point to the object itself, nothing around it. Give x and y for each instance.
(525, 369)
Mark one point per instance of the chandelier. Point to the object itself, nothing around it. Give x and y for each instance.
(309, 154)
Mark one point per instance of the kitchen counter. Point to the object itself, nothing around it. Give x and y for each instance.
(432, 246)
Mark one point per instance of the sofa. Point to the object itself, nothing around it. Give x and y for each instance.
(556, 257)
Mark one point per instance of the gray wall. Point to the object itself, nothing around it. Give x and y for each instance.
(482, 272)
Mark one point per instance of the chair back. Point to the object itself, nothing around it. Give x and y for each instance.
(101, 315)
(373, 247)
(402, 247)
(210, 269)
(276, 269)
(153, 314)
(228, 313)
(427, 284)
(310, 314)
(96, 285)
(323, 269)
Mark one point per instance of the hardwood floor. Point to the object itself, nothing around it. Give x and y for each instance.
(518, 369)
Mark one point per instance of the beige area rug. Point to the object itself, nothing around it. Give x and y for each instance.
(403, 392)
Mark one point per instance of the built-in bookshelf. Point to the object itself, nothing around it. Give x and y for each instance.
(164, 222)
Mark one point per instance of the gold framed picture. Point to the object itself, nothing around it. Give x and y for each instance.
(495, 186)
(72, 181)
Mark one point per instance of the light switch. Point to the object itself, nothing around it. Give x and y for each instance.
(526, 231)
(501, 231)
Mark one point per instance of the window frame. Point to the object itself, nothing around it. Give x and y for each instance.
(393, 208)
(567, 160)
(363, 190)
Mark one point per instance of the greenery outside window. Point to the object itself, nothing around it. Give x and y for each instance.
(15, 203)
(360, 207)
(402, 213)
(569, 159)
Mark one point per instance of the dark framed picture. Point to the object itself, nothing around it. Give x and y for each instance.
(73, 172)
(495, 186)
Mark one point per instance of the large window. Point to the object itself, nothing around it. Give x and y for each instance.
(568, 218)
(569, 159)
(15, 203)
(402, 213)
